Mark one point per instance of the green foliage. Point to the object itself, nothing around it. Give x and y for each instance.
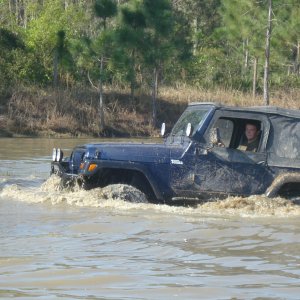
(105, 9)
(287, 36)
(133, 17)
(159, 33)
(206, 43)
(9, 40)
(11, 47)
(129, 43)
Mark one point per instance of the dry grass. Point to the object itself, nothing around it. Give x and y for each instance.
(52, 112)
(287, 99)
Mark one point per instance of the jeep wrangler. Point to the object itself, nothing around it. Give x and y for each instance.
(199, 159)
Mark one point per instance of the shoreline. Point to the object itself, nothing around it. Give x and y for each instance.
(47, 113)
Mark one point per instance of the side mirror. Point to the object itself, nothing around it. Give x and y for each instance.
(163, 129)
(189, 130)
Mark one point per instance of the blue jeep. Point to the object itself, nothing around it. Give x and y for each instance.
(200, 159)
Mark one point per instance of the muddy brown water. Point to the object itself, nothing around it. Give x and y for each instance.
(85, 245)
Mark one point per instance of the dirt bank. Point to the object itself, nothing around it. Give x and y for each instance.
(74, 113)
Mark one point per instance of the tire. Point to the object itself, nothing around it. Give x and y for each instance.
(124, 192)
(282, 181)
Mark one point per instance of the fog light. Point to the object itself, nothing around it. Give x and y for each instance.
(92, 167)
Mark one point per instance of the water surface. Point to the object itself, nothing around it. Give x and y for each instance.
(82, 245)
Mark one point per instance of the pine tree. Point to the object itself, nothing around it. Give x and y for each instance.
(244, 30)
(104, 9)
(129, 38)
(158, 34)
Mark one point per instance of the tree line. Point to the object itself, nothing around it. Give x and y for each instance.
(145, 43)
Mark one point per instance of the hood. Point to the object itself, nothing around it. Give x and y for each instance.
(135, 152)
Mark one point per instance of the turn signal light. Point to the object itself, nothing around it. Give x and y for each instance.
(92, 167)
(81, 166)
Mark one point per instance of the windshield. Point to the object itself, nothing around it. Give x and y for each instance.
(192, 115)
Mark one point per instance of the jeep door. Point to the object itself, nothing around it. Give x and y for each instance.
(225, 169)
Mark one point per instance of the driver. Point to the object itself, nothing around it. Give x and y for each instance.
(252, 131)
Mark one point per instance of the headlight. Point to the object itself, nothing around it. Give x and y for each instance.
(54, 154)
(57, 154)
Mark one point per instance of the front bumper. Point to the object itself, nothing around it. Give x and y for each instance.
(59, 168)
(68, 179)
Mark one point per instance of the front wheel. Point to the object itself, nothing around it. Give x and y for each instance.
(124, 192)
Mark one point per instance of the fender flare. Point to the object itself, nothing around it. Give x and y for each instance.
(279, 181)
(135, 167)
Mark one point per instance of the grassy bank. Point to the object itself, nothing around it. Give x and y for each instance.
(64, 113)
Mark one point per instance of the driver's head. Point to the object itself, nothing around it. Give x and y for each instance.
(252, 131)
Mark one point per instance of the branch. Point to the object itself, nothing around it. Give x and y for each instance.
(91, 82)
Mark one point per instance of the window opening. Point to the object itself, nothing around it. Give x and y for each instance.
(240, 134)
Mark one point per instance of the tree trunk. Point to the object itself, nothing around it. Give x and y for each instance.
(297, 60)
(101, 101)
(132, 90)
(23, 14)
(10, 9)
(267, 58)
(55, 68)
(17, 11)
(254, 77)
(133, 79)
(101, 98)
(195, 31)
(246, 54)
(154, 95)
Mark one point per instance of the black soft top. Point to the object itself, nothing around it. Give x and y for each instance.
(273, 110)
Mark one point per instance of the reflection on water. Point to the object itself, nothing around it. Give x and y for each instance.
(85, 245)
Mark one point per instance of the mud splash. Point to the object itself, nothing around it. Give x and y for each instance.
(51, 192)
(253, 206)
(123, 197)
